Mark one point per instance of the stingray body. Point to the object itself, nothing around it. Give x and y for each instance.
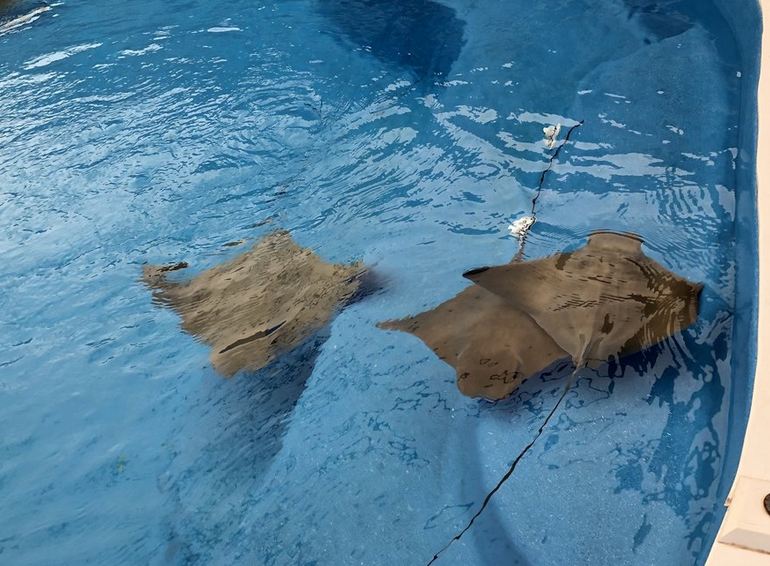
(605, 299)
(493, 346)
(258, 305)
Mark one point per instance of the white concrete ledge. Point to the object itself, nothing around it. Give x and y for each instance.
(744, 538)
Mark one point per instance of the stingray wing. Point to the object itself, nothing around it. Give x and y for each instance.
(492, 346)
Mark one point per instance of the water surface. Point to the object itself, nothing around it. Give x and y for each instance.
(155, 132)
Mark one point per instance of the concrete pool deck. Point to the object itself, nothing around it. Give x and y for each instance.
(744, 537)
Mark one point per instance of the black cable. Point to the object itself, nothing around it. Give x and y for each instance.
(541, 182)
(510, 470)
(567, 386)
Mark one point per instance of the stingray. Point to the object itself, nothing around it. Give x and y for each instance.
(258, 305)
(493, 346)
(605, 299)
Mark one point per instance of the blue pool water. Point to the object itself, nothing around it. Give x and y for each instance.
(408, 137)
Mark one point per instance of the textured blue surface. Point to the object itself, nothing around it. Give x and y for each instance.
(157, 131)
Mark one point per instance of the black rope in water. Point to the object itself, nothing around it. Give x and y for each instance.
(550, 164)
(541, 182)
(510, 470)
(567, 385)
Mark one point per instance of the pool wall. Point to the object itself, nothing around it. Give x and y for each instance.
(752, 321)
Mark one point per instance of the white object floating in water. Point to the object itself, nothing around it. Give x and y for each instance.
(551, 134)
(223, 29)
(519, 227)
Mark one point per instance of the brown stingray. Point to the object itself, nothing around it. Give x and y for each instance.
(492, 345)
(259, 304)
(604, 299)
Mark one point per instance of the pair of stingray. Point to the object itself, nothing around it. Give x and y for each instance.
(605, 299)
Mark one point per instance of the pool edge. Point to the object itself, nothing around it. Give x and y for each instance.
(746, 523)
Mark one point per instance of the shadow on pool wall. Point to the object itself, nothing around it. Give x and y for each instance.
(245, 434)
(423, 36)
